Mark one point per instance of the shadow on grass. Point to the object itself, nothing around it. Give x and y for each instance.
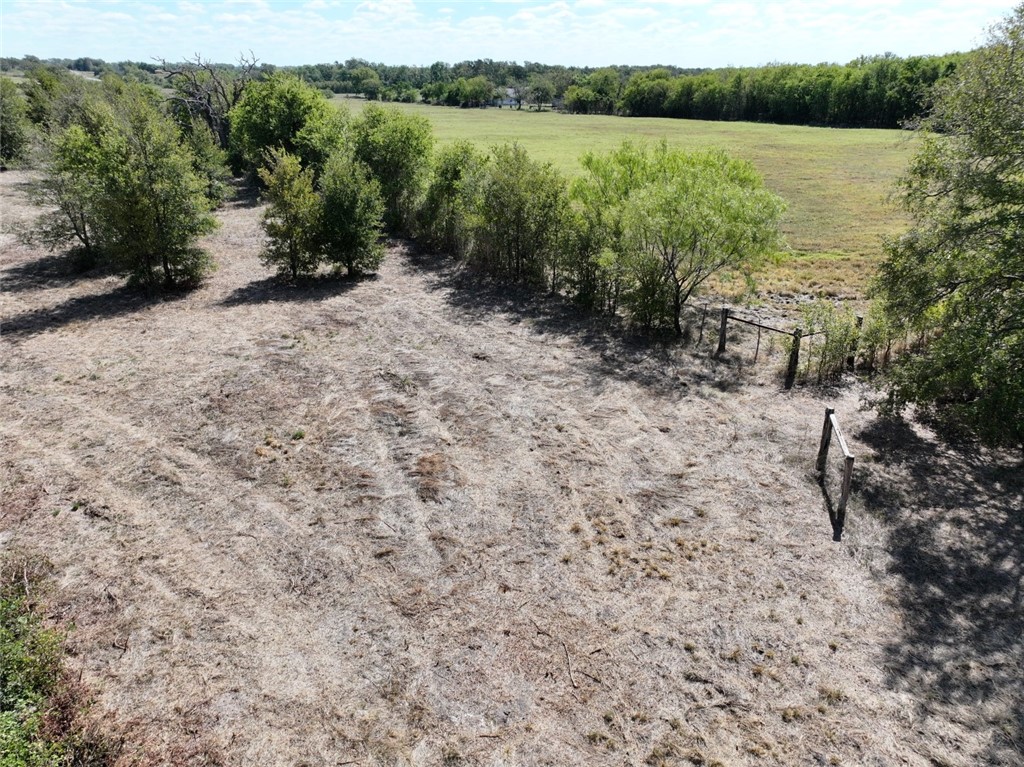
(97, 306)
(956, 535)
(275, 290)
(836, 518)
(50, 271)
(244, 194)
(658, 361)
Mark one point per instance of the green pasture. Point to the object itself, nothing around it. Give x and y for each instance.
(836, 182)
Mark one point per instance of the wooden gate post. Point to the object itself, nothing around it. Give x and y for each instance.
(794, 358)
(722, 330)
(826, 438)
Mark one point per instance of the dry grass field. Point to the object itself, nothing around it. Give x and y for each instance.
(404, 522)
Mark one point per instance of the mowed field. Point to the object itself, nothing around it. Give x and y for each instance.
(837, 183)
(403, 521)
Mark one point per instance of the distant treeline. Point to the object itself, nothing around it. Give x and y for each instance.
(878, 92)
(138, 71)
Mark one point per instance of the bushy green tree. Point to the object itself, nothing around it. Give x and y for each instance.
(291, 221)
(350, 220)
(14, 123)
(518, 218)
(541, 90)
(282, 112)
(367, 81)
(443, 219)
(125, 186)
(956, 279)
(396, 147)
(69, 194)
(667, 220)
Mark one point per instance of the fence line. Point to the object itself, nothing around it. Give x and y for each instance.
(797, 335)
(794, 349)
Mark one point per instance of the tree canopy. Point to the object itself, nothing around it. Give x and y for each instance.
(14, 124)
(125, 184)
(282, 112)
(663, 221)
(396, 147)
(956, 279)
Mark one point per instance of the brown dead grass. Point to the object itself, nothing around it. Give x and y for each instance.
(396, 522)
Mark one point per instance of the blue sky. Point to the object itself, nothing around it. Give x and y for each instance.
(688, 33)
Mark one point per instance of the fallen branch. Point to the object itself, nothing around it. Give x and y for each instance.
(569, 664)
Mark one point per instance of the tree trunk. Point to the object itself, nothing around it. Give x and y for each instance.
(678, 310)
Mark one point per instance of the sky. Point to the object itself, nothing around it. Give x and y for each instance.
(685, 33)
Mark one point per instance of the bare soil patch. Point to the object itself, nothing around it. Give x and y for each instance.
(394, 521)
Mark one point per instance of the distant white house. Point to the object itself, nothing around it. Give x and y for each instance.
(508, 100)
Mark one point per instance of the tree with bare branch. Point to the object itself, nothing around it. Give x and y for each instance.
(207, 91)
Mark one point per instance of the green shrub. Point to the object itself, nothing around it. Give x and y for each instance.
(40, 710)
(350, 218)
(125, 188)
(291, 220)
(443, 219)
(517, 224)
(14, 122)
(282, 112)
(835, 339)
(663, 221)
(878, 338)
(396, 147)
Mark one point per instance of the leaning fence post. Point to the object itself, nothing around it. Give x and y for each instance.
(794, 358)
(722, 330)
(703, 317)
(826, 437)
(847, 482)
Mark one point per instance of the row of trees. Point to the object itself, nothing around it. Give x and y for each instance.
(132, 173)
(638, 233)
(880, 92)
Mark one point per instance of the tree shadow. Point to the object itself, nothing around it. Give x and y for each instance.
(120, 301)
(955, 518)
(658, 361)
(54, 270)
(245, 193)
(306, 290)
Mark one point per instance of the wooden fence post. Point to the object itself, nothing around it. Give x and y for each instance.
(826, 438)
(722, 330)
(703, 317)
(794, 358)
(847, 482)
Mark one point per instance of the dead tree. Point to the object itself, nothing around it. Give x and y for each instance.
(208, 92)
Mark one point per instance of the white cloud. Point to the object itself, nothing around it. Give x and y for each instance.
(593, 32)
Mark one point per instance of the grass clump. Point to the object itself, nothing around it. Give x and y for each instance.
(40, 708)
